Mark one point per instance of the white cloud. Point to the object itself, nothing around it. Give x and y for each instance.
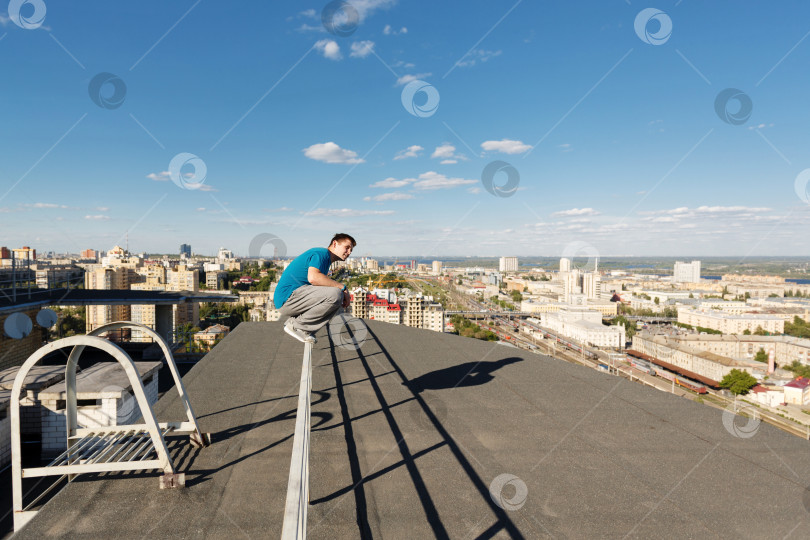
(447, 153)
(729, 209)
(448, 162)
(309, 13)
(505, 146)
(388, 31)
(434, 180)
(347, 212)
(474, 190)
(159, 177)
(477, 55)
(45, 205)
(330, 152)
(310, 28)
(201, 209)
(395, 196)
(411, 151)
(577, 212)
(97, 217)
(405, 79)
(361, 49)
(329, 49)
(390, 183)
(102, 208)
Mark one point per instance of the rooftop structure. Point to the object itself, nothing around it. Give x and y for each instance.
(419, 435)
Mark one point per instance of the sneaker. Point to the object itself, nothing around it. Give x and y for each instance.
(300, 335)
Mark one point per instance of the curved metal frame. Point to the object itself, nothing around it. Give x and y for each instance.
(197, 437)
(73, 464)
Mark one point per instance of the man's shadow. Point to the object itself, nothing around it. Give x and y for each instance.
(466, 374)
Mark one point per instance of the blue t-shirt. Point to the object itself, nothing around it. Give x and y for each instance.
(295, 274)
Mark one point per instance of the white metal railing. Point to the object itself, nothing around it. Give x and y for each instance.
(295, 510)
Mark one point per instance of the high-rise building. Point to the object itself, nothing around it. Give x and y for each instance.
(591, 285)
(508, 264)
(108, 278)
(24, 253)
(437, 267)
(5, 253)
(185, 249)
(565, 265)
(686, 272)
(89, 254)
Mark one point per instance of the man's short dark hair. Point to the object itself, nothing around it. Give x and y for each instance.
(339, 237)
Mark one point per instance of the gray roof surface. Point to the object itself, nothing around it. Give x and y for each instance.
(413, 431)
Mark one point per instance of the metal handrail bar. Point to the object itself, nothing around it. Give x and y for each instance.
(123, 445)
(295, 510)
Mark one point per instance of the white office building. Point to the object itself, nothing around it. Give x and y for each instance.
(508, 264)
(686, 272)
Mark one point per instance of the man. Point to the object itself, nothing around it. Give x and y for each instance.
(307, 295)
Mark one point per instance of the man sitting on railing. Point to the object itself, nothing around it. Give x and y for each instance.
(307, 295)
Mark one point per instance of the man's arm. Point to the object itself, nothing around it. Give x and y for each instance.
(317, 278)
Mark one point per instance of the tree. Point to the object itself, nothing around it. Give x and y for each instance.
(760, 332)
(746, 332)
(761, 356)
(691, 295)
(738, 382)
(656, 301)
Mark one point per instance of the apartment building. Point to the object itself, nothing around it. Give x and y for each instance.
(728, 323)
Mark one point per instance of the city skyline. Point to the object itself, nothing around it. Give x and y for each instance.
(619, 128)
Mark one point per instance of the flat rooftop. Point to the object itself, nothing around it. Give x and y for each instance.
(413, 432)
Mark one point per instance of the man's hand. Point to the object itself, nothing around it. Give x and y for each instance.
(347, 299)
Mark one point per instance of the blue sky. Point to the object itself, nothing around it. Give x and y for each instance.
(614, 133)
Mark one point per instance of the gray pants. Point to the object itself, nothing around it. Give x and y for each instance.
(310, 307)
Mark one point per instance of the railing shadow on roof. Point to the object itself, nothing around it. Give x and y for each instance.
(482, 375)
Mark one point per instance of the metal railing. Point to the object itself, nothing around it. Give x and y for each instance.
(295, 510)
